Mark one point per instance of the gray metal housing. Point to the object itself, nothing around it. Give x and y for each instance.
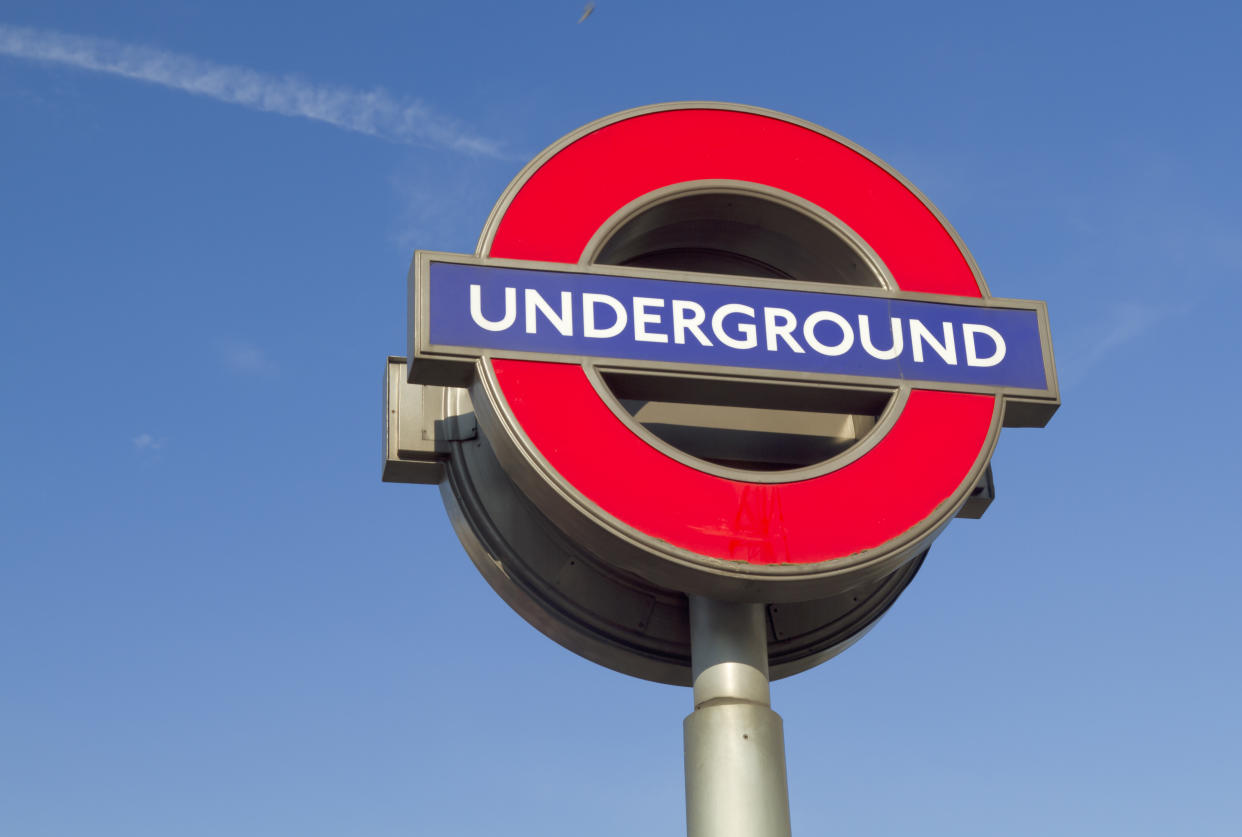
(614, 618)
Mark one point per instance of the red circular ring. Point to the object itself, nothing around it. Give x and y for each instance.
(904, 480)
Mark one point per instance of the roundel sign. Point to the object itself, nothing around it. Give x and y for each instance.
(729, 352)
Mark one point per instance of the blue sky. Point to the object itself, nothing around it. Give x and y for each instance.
(214, 618)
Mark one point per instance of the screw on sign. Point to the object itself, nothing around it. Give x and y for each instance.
(713, 381)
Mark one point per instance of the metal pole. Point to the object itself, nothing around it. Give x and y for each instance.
(735, 743)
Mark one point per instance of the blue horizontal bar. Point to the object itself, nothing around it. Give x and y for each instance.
(502, 308)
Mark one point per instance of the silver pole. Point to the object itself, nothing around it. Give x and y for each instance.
(735, 743)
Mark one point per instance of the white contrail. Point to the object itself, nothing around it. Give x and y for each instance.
(373, 112)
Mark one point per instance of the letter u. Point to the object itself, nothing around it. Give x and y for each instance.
(476, 310)
(864, 334)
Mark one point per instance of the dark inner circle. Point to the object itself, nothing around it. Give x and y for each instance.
(748, 425)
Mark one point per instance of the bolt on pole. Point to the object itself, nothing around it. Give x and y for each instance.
(734, 743)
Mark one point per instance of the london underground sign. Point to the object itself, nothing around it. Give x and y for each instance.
(716, 260)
